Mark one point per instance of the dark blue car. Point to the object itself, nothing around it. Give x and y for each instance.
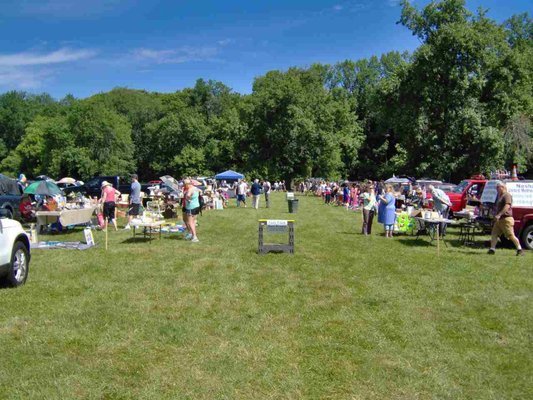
(10, 196)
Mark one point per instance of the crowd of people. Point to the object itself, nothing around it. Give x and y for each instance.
(379, 198)
(370, 197)
(191, 198)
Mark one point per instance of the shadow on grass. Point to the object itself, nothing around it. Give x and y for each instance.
(416, 242)
(469, 251)
(174, 237)
(5, 285)
(137, 240)
(456, 243)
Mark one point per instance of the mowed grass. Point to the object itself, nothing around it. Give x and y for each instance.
(345, 317)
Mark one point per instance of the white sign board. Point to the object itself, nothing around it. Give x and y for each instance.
(88, 236)
(277, 225)
(522, 193)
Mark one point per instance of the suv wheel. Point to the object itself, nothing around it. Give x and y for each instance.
(527, 237)
(8, 213)
(19, 265)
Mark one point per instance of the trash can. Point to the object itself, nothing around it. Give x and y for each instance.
(293, 205)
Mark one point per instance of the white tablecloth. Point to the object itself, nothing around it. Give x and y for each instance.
(65, 217)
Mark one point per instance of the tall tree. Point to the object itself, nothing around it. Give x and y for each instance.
(299, 128)
(17, 110)
(140, 108)
(448, 97)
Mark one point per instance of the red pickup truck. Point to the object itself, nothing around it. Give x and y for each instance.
(522, 192)
(467, 190)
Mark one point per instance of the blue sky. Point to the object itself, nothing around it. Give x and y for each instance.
(90, 46)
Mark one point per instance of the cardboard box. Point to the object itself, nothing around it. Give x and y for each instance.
(417, 213)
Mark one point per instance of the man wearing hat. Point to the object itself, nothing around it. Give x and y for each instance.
(135, 200)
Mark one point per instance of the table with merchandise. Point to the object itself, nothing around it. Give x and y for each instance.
(66, 217)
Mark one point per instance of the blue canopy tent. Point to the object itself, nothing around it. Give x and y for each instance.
(229, 175)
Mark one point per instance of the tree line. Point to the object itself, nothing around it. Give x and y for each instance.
(461, 103)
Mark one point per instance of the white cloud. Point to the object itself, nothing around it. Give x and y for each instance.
(176, 56)
(337, 7)
(33, 70)
(23, 78)
(55, 57)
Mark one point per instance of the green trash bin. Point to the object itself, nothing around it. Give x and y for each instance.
(293, 205)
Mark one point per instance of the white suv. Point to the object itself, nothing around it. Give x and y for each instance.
(14, 252)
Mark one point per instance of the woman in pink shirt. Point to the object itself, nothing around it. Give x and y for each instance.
(108, 199)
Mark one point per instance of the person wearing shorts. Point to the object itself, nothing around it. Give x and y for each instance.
(108, 199)
(242, 188)
(504, 221)
(191, 208)
(135, 200)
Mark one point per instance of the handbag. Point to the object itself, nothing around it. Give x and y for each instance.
(101, 221)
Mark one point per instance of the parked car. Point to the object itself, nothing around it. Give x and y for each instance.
(67, 188)
(469, 190)
(44, 178)
(93, 187)
(14, 252)
(425, 182)
(522, 208)
(446, 187)
(10, 196)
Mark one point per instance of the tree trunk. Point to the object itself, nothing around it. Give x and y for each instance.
(288, 182)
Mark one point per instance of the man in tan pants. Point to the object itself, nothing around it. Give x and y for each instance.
(504, 221)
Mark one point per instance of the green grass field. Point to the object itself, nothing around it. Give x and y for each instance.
(345, 317)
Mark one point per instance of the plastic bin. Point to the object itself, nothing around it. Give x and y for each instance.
(293, 205)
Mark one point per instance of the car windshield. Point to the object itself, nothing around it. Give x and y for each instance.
(460, 187)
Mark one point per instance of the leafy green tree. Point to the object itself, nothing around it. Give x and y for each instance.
(41, 148)
(381, 153)
(170, 135)
(89, 140)
(17, 110)
(461, 103)
(299, 128)
(191, 161)
(140, 108)
(516, 83)
(455, 100)
(226, 119)
(104, 138)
